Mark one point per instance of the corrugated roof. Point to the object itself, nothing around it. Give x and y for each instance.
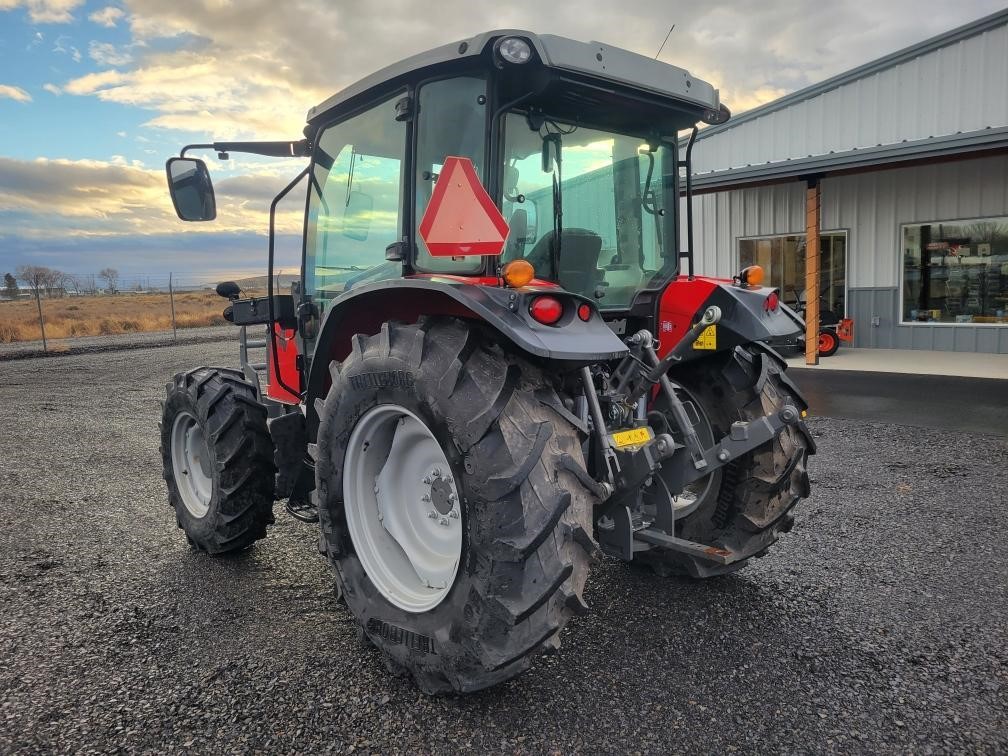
(966, 31)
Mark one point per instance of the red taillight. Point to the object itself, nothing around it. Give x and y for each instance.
(771, 303)
(546, 310)
(585, 312)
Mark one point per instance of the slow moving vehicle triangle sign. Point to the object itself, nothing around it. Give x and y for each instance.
(461, 219)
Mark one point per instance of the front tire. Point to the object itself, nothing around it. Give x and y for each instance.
(745, 506)
(218, 459)
(524, 522)
(829, 342)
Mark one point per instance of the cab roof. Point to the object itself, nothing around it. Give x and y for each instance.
(594, 59)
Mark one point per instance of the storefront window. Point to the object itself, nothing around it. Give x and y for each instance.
(956, 271)
(783, 260)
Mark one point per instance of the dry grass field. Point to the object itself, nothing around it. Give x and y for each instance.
(110, 314)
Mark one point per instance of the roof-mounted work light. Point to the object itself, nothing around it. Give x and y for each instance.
(514, 50)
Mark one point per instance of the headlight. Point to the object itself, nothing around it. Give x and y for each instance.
(514, 50)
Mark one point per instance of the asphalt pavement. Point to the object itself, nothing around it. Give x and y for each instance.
(877, 625)
(974, 405)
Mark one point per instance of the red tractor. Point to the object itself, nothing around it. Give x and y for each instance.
(474, 410)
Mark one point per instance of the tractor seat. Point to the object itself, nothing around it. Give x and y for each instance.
(580, 249)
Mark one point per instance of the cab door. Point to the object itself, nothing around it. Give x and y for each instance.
(355, 208)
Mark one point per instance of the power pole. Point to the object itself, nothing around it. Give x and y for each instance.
(41, 320)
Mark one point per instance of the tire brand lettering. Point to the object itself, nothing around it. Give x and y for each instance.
(387, 379)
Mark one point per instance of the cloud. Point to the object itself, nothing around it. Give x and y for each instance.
(52, 89)
(107, 16)
(252, 69)
(14, 93)
(107, 54)
(62, 45)
(44, 11)
(121, 197)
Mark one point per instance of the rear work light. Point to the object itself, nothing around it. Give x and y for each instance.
(771, 303)
(546, 310)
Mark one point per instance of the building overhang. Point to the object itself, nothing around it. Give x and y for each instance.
(934, 149)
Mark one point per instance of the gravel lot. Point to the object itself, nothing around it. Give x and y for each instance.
(877, 624)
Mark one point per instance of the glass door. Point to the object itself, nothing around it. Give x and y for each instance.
(783, 260)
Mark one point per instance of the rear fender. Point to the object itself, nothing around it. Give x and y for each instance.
(744, 317)
(362, 310)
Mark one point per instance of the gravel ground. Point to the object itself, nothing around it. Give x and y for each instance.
(118, 342)
(877, 625)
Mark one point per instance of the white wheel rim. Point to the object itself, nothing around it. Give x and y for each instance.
(191, 464)
(402, 508)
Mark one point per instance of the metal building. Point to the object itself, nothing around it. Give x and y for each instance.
(908, 156)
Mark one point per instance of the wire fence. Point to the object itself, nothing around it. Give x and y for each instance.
(92, 305)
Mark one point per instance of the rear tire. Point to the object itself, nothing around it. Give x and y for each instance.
(218, 459)
(525, 522)
(749, 504)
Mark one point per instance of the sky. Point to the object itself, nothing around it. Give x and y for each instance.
(95, 96)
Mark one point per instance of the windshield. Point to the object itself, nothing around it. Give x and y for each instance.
(611, 197)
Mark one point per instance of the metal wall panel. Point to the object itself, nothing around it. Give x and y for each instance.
(871, 207)
(956, 88)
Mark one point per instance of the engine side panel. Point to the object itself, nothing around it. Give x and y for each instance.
(744, 317)
(286, 368)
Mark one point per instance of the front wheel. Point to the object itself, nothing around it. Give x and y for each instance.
(461, 542)
(218, 459)
(829, 342)
(745, 506)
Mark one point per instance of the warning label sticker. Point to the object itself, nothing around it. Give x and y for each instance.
(707, 338)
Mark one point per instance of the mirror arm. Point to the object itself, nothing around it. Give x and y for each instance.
(300, 148)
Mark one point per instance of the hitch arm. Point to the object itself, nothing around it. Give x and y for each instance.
(742, 438)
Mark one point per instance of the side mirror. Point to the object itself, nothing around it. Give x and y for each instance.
(191, 189)
(357, 216)
(228, 290)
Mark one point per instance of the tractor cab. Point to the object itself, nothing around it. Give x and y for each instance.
(575, 142)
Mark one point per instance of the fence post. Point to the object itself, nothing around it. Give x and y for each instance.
(171, 295)
(41, 320)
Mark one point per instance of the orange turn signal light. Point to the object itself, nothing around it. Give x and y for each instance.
(517, 273)
(751, 276)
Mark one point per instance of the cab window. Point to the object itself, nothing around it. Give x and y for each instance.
(354, 203)
(452, 121)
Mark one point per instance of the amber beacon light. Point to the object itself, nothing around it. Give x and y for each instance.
(751, 276)
(517, 273)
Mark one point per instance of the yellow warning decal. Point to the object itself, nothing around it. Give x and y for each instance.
(707, 338)
(632, 437)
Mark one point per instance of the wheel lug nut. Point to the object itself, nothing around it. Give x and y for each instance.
(452, 497)
(444, 521)
(432, 514)
(454, 514)
(425, 497)
(428, 480)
